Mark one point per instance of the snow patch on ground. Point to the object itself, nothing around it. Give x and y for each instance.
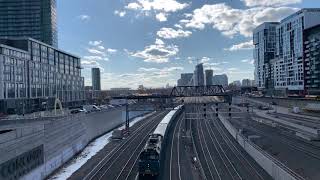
(89, 151)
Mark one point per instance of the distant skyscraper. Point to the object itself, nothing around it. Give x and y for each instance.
(209, 76)
(96, 79)
(246, 83)
(236, 83)
(198, 75)
(185, 79)
(29, 18)
(220, 80)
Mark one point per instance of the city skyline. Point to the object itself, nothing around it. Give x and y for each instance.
(153, 43)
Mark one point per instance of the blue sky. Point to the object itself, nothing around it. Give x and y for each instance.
(151, 42)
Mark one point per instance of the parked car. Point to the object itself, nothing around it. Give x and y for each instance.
(76, 111)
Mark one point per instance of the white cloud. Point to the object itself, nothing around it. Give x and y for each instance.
(84, 17)
(112, 50)
(164, 72)
(120, 13)
(159, 42)
(161, 17)
(204, 60)
(157, 53)
(95, 43)
(241, 46)
(252, 3)
(161, 8)
(150, 77)
(178, 26)
(169, 33)
(232, 69)
(88, 64)
(232, 21)
(95, 51)
(249, 61)
(92, 58)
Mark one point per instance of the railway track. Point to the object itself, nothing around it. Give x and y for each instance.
(238, 153)
(174, 152)
(292, 142)
(206, 160)
(106, 164)
(229, 167)
(220, 157)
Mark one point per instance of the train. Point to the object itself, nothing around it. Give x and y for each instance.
(151, 155)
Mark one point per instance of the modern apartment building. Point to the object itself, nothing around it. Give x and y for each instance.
(96, 79)
(198, 75)
(29, 18)
(209, 76)
(33, 74)
(264, 40)
(312, 60)
(286, 70)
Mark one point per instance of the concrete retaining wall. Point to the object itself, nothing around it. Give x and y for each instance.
(61, 138)
(289, 102)
(272, 166)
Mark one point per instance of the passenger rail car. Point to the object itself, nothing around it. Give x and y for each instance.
(150, 157)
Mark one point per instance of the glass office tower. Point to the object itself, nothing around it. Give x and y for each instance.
(29, 18)
(96, 79)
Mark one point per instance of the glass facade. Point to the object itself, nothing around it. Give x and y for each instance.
(96, 80)
(264, 38)
(40, 74)
(29, 18)
(282, 53)
(312, 60)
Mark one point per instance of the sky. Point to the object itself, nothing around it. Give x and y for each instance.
(151, 42)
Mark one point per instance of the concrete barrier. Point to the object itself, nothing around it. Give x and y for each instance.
(272, 166)
(59, 138)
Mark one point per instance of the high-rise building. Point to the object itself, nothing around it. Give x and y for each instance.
(246, 83)
(209, 76)
(221, 79)
(185, 79)
(96, 79)
(198, 75)
(236, 83)
(33, 73)
(312, 60)
(264, 40)
(289, 69)
(29, 18)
